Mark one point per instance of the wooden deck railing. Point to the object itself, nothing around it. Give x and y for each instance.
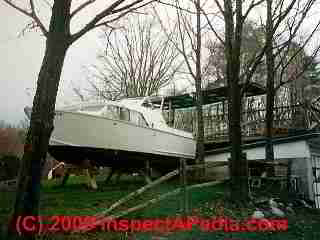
(253, 121)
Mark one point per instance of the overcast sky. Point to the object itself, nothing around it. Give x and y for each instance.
(21, 57)
(20, 61)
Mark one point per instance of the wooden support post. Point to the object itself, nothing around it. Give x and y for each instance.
(148, 169)
(65, 177)
(110, 175)
(146, 177)
(183, 181)
(119, 175)
(289, 169)
(91, 180)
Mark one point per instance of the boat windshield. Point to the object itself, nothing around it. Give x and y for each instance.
(154, 102)
(124, 114)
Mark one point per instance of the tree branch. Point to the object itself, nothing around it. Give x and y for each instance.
(35, 17)
(252, 5)
(183, 51)
(81, 7)
(130, 10)
(31, 14)
(107, 12)
(21, 10)
(211, 27)
(219, 6)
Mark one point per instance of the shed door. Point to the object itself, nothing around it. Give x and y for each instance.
(316, 179)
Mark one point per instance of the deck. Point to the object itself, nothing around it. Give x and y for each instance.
(288, 120)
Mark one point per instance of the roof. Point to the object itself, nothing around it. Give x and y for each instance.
(302, 135)
(210, 95)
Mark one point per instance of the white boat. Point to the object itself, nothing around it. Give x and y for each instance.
(135, 126)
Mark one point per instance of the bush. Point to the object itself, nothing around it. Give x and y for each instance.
(9, 167)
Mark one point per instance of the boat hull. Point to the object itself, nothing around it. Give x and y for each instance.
(118, 159)
(95, 132)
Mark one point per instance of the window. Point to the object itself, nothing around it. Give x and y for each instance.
(117, 113)
(137, 118)
(142, 121)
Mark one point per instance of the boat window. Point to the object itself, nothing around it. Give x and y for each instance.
(137, 118)
(142, 121)
(124, 114)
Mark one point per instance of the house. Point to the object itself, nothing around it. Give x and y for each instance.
(293, 142)
(301, 150)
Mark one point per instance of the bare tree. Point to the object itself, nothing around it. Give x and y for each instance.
(59, 38)
(277, 21)
(234, 15)
(270, 59)
(198, 84)
(4, 124)
(193, 36)
(234, 21)
(282, 51)
(189, 46)
(252, 47)
(138, 61)
(233, 38)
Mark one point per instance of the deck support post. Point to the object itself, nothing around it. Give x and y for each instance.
(183, 183)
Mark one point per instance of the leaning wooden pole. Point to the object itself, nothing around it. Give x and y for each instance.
(138, 192)
(155, 183)
(102, 220)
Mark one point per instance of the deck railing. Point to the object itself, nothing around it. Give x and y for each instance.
(253, 121)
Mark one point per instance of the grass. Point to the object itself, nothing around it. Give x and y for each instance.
(75, 199)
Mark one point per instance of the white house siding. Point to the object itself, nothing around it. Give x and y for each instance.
(298, 151)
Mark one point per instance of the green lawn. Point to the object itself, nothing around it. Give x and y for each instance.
(75, 199)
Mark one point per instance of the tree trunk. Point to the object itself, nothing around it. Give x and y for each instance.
(199, 98)
(270, 85)
(41, 122)
(238, 168)
(238, 163)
